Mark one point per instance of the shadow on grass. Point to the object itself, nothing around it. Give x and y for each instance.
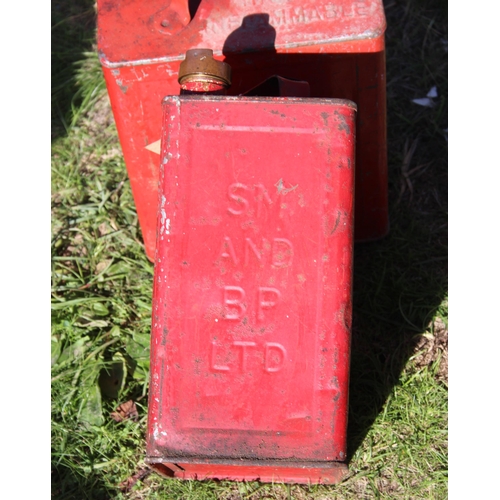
(66, 485)
(399, 285)
(400, 282)
(72, 34)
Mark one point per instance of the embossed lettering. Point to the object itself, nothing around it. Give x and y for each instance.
(241, 194)
(274, 357)
(243, 356)
(282, 252)
(289, 15)
(279, 253)
(214, 366)
(235, 194)
(262, 198)
(227, 250)
(250, 246)
(267, 298)
(362, 10)
(233, 300)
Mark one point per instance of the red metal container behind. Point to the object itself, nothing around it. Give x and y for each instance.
(338, 47)
(252, 289)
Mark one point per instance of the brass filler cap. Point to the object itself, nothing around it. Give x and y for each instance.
(200, 65)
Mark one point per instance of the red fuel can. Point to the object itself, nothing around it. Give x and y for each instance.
(337, 47)
(251, 322)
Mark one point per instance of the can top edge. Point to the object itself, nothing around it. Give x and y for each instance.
(287, 100)
(378, 35)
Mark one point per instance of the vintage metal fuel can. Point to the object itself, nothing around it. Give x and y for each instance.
(336, 46)
(250, 343)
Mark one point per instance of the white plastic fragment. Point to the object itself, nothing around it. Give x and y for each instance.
(433, 92)
(427, 101)
(424, 101)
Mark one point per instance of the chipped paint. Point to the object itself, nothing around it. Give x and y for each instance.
(281, 187)
(343, 126)
(163, 214)
(123, 88)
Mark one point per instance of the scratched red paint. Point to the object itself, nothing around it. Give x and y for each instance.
(338, 47)
(252, 289)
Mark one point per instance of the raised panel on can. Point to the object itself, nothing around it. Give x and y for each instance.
(252, 289)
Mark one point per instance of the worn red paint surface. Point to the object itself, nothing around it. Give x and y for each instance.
(338, 47)
(252, 288)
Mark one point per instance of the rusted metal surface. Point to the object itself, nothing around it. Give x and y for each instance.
(337, 47)
(252, 289)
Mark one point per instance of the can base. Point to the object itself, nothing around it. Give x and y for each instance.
(243, 470)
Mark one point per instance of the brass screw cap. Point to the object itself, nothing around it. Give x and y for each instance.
(200, 66)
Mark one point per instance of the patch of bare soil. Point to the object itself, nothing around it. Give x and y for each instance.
(100, 129)
(99, 119)
(432, 347)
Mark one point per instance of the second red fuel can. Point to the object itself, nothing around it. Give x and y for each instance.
(337, 47)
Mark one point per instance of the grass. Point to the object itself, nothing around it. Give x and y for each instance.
(102, 282)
